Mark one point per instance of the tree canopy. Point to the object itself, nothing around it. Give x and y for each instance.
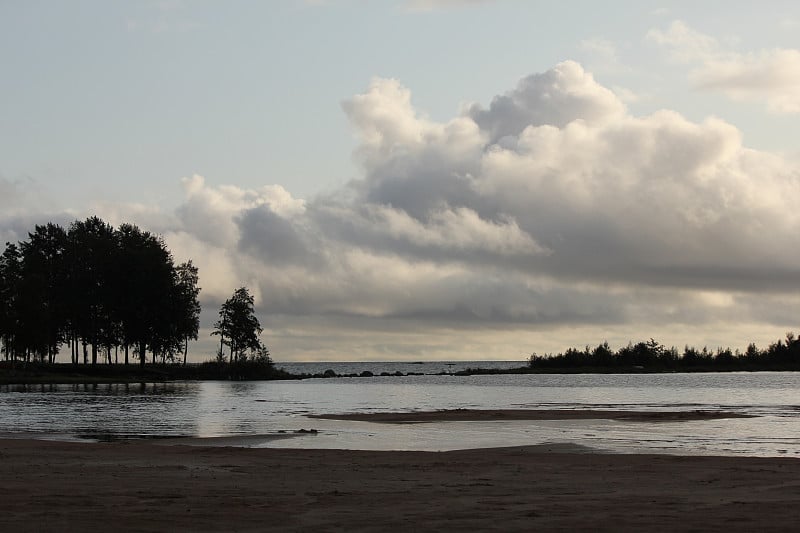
(95, 286)
(654, 356)
(239, 328)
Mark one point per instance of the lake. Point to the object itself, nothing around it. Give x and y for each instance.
(261, 410)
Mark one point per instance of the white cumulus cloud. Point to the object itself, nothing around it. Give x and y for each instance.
(772, 75)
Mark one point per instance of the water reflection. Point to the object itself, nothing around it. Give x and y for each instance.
(209, 409)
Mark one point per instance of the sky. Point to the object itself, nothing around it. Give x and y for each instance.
(427, 179)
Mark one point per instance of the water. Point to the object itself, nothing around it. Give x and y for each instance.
(391, 367)
(259, 410)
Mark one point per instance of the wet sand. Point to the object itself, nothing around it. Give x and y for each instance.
(475, 415)
(137, 486)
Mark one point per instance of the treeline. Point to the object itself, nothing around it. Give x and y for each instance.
(99, 290)
(652, 355)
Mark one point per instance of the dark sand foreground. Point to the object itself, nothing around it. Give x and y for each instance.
(58, 486)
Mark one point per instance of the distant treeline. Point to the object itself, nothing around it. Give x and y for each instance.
(652, 355)
(99, 290)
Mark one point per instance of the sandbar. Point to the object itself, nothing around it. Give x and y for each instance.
(138, 486)
(484, 415)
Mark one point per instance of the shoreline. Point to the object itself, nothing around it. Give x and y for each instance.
(140, 486)
(32, 374)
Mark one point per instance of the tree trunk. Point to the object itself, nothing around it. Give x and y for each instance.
(185, 349)
(126, 354)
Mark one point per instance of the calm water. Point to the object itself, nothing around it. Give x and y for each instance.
(213, 409)
(390, 367)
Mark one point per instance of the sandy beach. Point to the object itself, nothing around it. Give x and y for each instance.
(138, 486)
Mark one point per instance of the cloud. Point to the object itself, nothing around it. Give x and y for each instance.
(685, 44)
(553, 186)
(771, 75)
(628, 96)
(551, 206)
(555, 98)
(453, 234)
(550, 217)
(22, 204)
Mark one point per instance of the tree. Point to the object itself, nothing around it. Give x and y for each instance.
(10, 284)
(95, 247)
(144, 287)
(95, 286)
(186, 316)
(43, 315)
(238, 327)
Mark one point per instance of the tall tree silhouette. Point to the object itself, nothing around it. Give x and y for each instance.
(10, 284)
(186, 307)
(95, 242)
(142, 287)
(42, 313)
(238, 326)
(132, 290)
